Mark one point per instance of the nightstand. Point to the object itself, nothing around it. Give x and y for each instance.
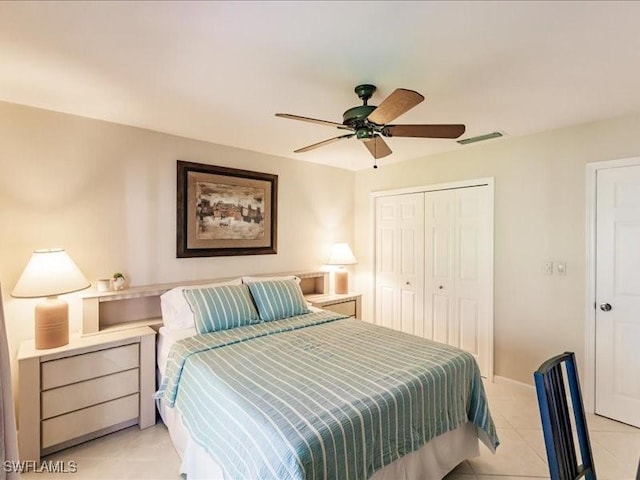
(93, 386)
(345, 304)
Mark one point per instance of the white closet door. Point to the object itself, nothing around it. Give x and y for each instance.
(439, 278)
(400, 262)
(458, 277)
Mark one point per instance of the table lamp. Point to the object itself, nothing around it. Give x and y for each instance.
(341, 255)
(50, 273)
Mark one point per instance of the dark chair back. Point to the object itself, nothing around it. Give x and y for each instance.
(557, 422)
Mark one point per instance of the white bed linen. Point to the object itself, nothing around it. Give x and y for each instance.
(433, 461)
(166, 338)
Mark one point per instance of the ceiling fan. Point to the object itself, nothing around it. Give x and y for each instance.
(370, 123)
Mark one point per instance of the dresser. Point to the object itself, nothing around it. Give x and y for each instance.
(93, 386)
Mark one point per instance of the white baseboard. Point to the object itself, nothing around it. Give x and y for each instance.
(509, 381)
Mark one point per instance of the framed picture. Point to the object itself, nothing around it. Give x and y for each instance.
(225, 211)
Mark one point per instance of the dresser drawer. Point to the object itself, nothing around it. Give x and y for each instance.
(64, 371)
(81, 422)
(344, 308)
(90, 392)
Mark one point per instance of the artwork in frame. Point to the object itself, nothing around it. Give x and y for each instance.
(225, 211)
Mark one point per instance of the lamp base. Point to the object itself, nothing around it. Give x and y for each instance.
(342, 281)
(52, 323)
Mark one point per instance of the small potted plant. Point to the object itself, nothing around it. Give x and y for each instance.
(117, 280)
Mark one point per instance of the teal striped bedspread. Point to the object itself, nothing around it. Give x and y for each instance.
(320, 396)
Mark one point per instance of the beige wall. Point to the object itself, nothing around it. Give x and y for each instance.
(539, 216)
(107, 193)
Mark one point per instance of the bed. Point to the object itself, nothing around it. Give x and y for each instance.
(302, 393)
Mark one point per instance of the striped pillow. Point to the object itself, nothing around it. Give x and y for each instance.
(278, 299)
(221, 308)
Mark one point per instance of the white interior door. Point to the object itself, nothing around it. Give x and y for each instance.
(400, 262)
(458, 276)
(617, 364)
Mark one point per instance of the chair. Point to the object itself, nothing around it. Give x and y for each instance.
(557, 422)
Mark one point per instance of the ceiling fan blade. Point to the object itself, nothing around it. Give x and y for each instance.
(377, 147)
(313, 120)
(323, 143)
(424, 131)
(399, 102)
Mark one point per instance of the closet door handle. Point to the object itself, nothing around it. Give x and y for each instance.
(440, 287)
(605, 307)
(407, 283)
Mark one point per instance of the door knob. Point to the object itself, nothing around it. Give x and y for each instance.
(408, 283)
(605, 307)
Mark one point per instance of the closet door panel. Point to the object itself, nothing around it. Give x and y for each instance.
(400, 262)
(384, 311)
(440, 318)
(438, 265)
(472, 272)
(386, 276)
(468, 312)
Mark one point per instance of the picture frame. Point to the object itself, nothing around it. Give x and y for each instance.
(225, 211)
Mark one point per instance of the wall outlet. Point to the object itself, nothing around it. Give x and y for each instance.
(547, 268)
(561, 268)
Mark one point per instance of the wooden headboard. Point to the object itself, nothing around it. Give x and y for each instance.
(138, 306)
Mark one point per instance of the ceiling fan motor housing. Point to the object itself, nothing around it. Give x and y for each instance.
(356, 116)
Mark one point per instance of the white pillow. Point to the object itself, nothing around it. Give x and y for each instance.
(176, 312)
(269, 279)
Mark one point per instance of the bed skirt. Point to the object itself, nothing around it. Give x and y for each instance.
(433, 461)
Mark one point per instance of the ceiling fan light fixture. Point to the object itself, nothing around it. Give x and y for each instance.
(481, 138)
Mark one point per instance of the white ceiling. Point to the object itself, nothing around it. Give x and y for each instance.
(218, 71)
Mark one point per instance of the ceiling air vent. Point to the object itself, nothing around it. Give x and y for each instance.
(480, 138)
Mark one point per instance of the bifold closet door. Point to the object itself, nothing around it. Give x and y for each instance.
(458, 278)
(400, 262)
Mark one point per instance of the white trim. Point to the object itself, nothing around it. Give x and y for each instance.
(477, 182)
(590, 273)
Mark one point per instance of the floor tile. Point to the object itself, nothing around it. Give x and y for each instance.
(535, 440)
(463, 468)
(460, 476)
(615, 454)
(513, 457)
(505, 477)
(597, 423)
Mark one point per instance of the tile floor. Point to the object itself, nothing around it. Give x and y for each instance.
(149, 454)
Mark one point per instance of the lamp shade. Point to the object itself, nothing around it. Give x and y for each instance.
(341, 254)
(48, 273)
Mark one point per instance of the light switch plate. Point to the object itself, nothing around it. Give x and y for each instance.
(561, 268)
(547, 268)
